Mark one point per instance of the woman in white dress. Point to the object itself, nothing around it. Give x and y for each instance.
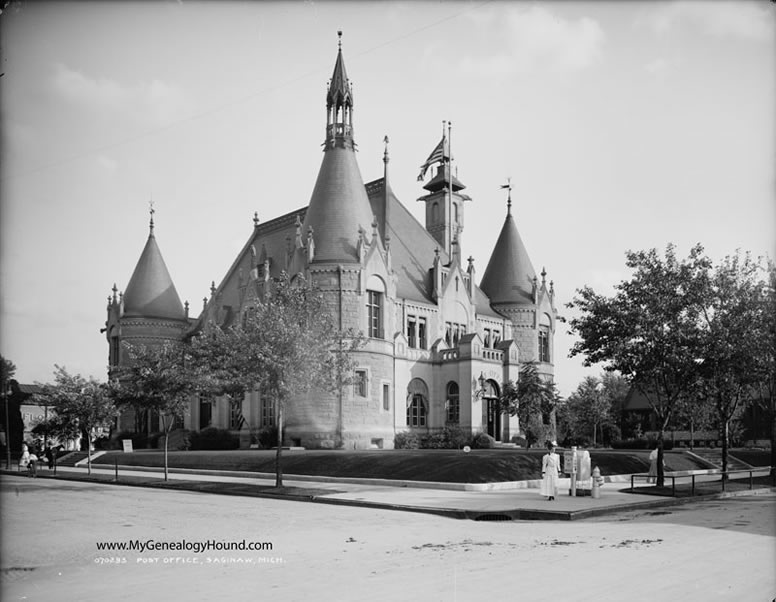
(550, 472)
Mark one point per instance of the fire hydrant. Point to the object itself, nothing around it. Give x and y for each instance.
(598, 480)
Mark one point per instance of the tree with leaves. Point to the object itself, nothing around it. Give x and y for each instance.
(7, 370)
(80, 403)
(156, 379)
(533, 399)
(765, 358)
(588, 407)
(733, 318)
(647, 331)
(286, 346)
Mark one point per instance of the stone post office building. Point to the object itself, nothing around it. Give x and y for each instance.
(439, 345)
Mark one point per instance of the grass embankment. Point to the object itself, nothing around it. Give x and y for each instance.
(450, 466)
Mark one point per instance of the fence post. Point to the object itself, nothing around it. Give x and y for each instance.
(724, 474)
(693, 486)
(116, 468)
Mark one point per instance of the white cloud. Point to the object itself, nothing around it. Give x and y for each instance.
(747, 20)
(535, 38)
(157, 102)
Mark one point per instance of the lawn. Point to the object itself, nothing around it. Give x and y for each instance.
(453, 466)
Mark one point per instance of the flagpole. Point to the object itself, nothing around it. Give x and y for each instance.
(450, 181)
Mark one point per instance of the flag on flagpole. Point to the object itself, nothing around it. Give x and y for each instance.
(440, 153)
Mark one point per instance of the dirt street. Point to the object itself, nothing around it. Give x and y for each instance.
(723, 550)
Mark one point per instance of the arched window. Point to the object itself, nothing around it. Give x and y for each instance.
(434, 212)
(417, 403)
(453, 405)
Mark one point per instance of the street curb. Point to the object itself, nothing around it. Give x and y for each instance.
(456, 513)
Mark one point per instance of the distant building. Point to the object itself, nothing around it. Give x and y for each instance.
(637, 414)
(439, 345)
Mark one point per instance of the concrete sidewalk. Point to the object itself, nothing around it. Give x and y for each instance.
(521, 501)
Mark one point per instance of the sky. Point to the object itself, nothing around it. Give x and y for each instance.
(621, 125)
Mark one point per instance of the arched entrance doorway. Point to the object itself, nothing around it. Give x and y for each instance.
(493, 412)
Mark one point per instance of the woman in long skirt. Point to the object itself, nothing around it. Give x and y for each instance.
(550, 472)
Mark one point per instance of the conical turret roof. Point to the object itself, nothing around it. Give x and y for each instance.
(151, 292)
(509, 276)
(339, 207)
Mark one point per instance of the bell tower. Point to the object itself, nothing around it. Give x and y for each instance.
(444, 202)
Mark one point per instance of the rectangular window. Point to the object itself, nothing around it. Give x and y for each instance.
(416, 412)
(411, 331)
(359, 383)
(496, 338)
(453, 410)
(449, 334)
(114, 351)
(386, 397)
(374, 315)
(544, 345)
(267, 412)
(205, 412)
(486, 338)
(236, 419)
(422, 333)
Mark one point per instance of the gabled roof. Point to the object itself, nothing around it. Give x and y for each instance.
(412, 247)
(150, 292)
(509, 276)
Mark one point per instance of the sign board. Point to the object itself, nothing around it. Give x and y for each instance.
(127, 443)
(570, 460)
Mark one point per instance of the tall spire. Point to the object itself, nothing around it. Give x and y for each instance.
(339, 207)
(339, 105)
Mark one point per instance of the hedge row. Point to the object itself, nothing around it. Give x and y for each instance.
(450, 437)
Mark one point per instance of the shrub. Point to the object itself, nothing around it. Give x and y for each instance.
(577, 440)
(457, 437)
(641, 444)
(213, 438)
(139, 440)
(179, 439)
(406, 440)
(450, 437)
(519, 441)
(267, 437)
(483, 441)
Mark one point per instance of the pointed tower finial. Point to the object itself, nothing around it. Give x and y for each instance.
(151, 211)
(339, 105)
(385, 153)
(255, 219)
(339, 41)
(508, 186)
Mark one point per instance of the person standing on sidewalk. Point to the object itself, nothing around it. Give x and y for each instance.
(550, 472)
(652, 466)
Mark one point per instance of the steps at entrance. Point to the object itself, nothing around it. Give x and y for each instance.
(714, 456)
